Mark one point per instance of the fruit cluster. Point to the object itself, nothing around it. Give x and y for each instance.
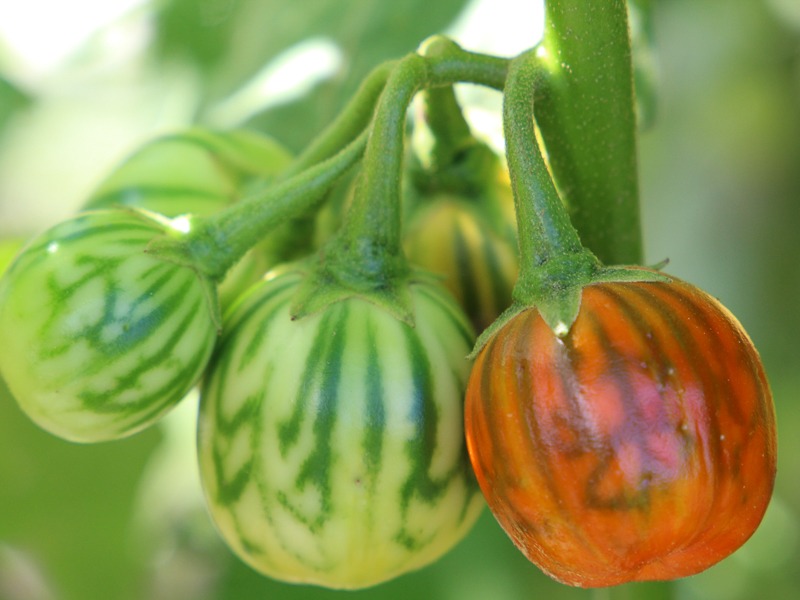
(617, 421)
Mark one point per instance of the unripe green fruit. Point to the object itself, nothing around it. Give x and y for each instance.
(99, 338)
(331, 446)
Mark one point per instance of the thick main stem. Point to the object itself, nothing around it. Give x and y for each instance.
(586, 116)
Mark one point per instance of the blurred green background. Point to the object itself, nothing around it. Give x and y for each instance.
(83, 83)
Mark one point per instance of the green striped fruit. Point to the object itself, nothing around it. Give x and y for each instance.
(99, 339)
(471, 242)
(198, 172)
(331, 447)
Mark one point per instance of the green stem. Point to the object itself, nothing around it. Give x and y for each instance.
(295, 237)
(353, 119)
(587, 119)
(456, 65)
(369, 244)
(453, 65)
(582, 79)
(554, 265)
(368, 250)
(215, 243)
(546, 234)
(443, 114)
(451, 133)
(459, 163)
(371, 238)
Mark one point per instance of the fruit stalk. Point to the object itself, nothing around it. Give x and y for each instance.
(371, 234)
(355, 117)
(546, 233)
(215, 243)
(366, 257)
(554, 265)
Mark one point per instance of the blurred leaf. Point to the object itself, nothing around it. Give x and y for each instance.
(230, 41)
(12, 99)
(266, 28)
(198, 31)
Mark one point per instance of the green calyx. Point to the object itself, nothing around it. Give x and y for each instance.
(556, 292)
(381, 282)
(365, 258)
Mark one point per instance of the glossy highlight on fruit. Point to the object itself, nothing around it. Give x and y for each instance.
(331, 447)
(641, 446)
(99, 339)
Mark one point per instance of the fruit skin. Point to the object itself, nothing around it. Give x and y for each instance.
(99, 339)
(455, 237)
(641, 446)
(460, 224)
(331, 447)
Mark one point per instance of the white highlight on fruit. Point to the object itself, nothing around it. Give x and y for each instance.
(182, 224)
(561, 329)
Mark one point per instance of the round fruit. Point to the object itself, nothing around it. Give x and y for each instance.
(640, 446)
(100, 338)
(331, 447)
